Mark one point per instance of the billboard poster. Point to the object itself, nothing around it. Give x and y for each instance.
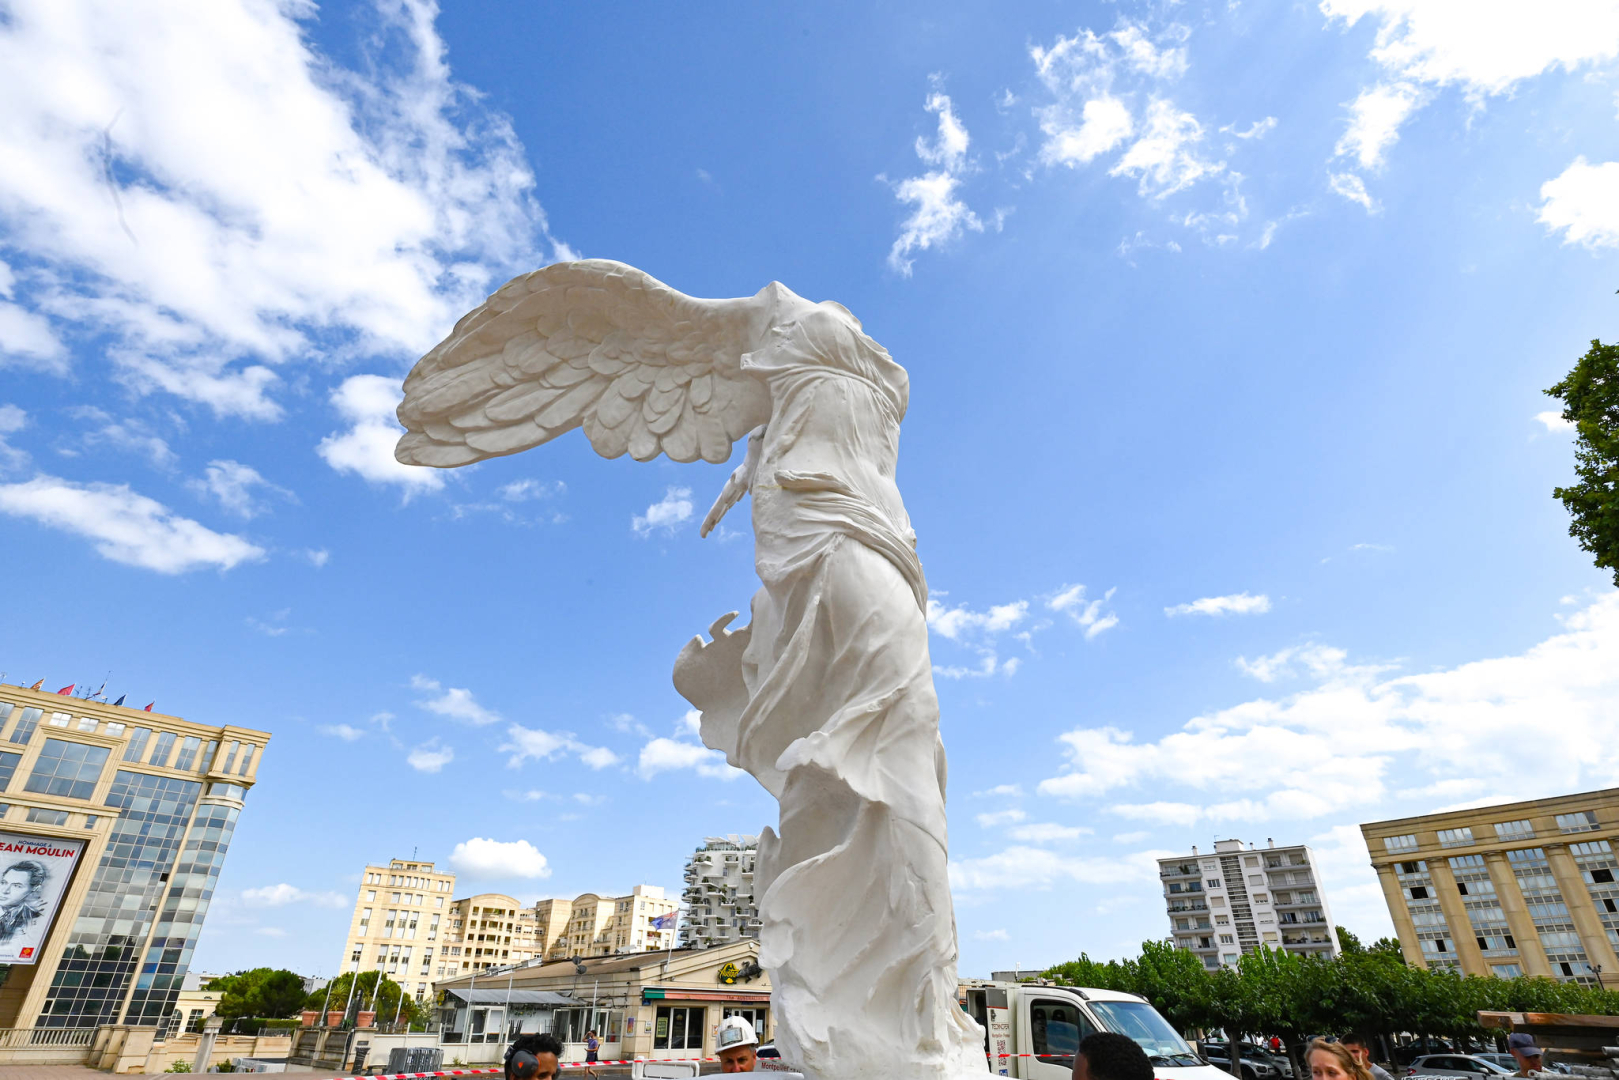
(34, 872)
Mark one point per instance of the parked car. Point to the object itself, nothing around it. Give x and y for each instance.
(1506, 1061)
(1257, 1064)
(1473, 1066)
(768, 1050)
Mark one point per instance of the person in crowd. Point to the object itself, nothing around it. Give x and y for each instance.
(1360, 1047)
(1332, 1061)
(1107, 1055)
(1521, 1045)
(533, 1057)
(592, 1045)
(737, 1045)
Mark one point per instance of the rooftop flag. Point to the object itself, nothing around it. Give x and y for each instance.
(120, 700)
(66, 690)
(666, 920)
(37, 685)
(149, 705)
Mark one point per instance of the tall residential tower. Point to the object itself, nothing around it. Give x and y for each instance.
(719, 897)
(1238, 898)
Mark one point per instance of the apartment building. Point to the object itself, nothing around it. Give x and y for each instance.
(118, 820)
(594, 925)
(489, 930)
(400, 923)
(719, 899)
(1237, 898)
(1525, 888)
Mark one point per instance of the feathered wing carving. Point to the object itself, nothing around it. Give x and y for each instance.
(643, 368)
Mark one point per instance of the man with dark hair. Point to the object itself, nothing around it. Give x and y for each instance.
(22, 900)
(533, 1057)
(1108, 1055)
(1360, 1048)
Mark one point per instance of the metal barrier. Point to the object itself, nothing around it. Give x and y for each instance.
(11, 1038)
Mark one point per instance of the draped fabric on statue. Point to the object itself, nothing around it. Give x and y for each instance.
(841, 724)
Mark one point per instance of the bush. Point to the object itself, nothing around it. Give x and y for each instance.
(179, 1066)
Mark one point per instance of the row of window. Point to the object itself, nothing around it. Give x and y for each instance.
(408, 881)
(1523, 829)
(141, 748)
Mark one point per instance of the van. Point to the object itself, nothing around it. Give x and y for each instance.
(1032, 1029)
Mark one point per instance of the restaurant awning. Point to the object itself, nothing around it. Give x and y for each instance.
(681, 993)
(516, 997)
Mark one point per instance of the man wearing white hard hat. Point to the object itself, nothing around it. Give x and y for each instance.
(737, 1045)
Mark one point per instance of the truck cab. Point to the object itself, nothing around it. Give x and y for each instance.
(1032, 1030)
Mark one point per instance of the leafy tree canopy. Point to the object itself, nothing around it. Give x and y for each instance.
(266, 992)
(1590, 396)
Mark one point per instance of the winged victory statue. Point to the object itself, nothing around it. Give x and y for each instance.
(827, 696)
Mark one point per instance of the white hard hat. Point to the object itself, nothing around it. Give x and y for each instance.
(735, 1031)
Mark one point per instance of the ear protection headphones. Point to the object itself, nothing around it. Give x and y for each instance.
(522, 1066)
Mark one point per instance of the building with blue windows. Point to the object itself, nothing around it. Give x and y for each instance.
(153, 800)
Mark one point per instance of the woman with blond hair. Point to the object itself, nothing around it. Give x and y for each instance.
(1333, 1061)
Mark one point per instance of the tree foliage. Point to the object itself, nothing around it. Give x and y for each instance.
(387, 1000)
(268, 992)
(1367, 990)
(1590, 396)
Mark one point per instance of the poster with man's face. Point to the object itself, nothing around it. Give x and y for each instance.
(34, 872)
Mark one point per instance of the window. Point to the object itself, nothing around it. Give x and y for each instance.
(87, 723)
(1261, 898)
(188, 753)
(229, 791)
(247, 760)
(67, 768)
(1514, 830)
(1584, 821)
(26, 723)
(137, 744)
(1455, 837)
(230, 757)
(165, 749)
(6, 708)
(115, 730)
(1227, 939)
(8, 766)
(1056, 1027)
(1214, 883)
(679, 1028)
(42, 816)
(208, 755)
(1221, 920)
(90, 821)
(60, 719)
(1393, 844)
(371, 894)
(1506, 971)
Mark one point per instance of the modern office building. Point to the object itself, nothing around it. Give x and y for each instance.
(1237, 898)
(720, 905)
(593, 925)
(400, 916)
(117, 821)
(1525, 888)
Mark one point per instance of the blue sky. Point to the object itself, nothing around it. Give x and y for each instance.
(1226, 325)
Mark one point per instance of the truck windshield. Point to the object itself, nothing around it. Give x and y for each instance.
(1152, 1032)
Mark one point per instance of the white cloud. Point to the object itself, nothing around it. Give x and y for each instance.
(216, 199)
(1321, 661)
(346, 732)
(1045, 832)
(668, 513)
(318, 557)
(457, 703)
(1012, 791)
(1257, 130)
(430, 757)
(1021, 867)
(125, 527)
(1235, 604)
(367, 447)
(1104, 123)
(1070, 599)
(129, 435)
(1164, 158)
(1553, 420)
(1375, 117)
(233, 484)
(997, 818)
(537, 744)
(270, 931)
(283, 894)
(1353, 188)
(953, 623)
(483, 859)
(1583, 202)
(1130, 837)
(939, 215)
(526, 490)
(668, 755)
(1433, 727)
(12, 420)
(991, 935)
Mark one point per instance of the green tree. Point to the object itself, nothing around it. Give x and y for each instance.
(1349, 942)
(1590, 396)
(267, 992)
(376, 993)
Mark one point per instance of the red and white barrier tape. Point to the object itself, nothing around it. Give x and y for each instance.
(485, 1072)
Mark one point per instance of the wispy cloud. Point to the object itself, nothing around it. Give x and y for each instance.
(938, 214)
(1235, 604)
(366, 449)
(457, 703)
(430, 757)
(667, 514)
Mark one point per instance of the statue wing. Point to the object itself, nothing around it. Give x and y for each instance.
(642, 367)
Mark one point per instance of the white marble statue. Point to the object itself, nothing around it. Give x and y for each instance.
(827, 696)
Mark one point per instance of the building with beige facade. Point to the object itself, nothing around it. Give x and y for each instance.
(400, 923)
(595, 925)
(489, 930)
(1524, 888)
(146, 804)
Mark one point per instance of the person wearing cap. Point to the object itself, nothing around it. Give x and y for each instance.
(1521, 1045)
(533, 1057)
(737, 1045)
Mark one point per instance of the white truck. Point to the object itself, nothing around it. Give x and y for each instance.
(1032, 1029)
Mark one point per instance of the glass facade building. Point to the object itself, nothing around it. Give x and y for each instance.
(158, 801)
